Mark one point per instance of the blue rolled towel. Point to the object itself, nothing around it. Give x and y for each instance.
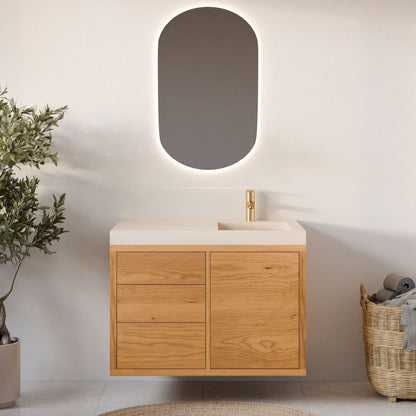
(397, 283)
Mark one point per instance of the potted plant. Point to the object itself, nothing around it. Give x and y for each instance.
(25, 224)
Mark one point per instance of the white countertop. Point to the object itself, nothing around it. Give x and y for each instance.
(207, 232)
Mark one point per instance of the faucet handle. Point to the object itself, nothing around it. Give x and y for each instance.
(250, 195)
(250, 204)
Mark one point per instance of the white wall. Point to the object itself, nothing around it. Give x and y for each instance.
(336, 151)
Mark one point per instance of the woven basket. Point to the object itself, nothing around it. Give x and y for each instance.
(390, 369)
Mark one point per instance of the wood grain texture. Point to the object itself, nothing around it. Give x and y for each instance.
(113, 310)
(254, 310)
(208, 311)
(160, 268)
(302, 310)
(254, 341)
(160, 345)
(161, 303)
(212, 372)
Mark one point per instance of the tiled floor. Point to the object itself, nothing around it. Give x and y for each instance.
(94, 398)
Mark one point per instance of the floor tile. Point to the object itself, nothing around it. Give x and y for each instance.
(288, 393)
(95, 398)
(338, 389)
(60, 395)
(99, 411)
(351, 399)
(30, 411)
(118, 394)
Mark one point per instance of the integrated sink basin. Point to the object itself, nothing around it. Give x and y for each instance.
(284, 232)
(253, 226)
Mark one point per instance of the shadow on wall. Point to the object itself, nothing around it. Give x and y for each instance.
(338, 260)
(74, 282)
(67, 293)
(270, 205)
(93, 155)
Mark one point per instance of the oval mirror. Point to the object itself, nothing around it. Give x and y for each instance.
(208, 88)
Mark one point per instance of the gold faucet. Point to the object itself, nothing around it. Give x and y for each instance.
(250, 205)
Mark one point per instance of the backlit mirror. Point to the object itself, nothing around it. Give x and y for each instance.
(208, 88)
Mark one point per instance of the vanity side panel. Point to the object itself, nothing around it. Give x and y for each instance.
(302, 310)
(113, 309)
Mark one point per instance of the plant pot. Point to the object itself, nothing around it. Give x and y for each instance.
(9, 373)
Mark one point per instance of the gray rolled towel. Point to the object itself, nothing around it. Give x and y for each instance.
(397, 283)
(384, 294)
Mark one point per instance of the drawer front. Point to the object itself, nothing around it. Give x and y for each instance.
(161, 303)
(161, 268)
(160, 345)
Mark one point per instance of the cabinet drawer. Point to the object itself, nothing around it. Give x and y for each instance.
(160, 268)
(161, 303)
(160, 345)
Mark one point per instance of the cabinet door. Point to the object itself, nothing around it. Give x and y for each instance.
(254, 310)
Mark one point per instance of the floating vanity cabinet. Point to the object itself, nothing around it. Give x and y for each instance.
(207, 298)
(207, 310)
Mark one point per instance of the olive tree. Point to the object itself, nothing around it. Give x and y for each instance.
(25, 223)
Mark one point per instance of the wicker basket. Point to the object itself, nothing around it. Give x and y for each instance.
(390, 369)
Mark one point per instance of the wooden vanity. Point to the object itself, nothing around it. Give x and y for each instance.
(208, 310)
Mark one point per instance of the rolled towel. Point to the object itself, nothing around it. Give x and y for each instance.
(397, 283)
(383, 294)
